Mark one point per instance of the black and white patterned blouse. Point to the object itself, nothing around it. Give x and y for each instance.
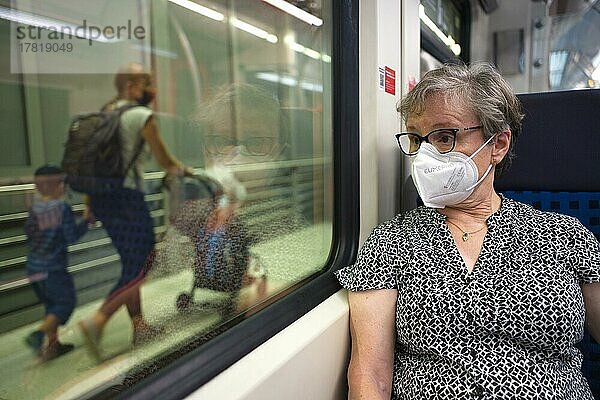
(504, 331)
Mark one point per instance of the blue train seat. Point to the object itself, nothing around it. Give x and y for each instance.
(557, 168)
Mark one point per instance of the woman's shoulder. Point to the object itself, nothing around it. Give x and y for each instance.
(136, 112)
(407, 220)
(533, 218)
(133, 122)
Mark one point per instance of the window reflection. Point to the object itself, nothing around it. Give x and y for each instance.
(242, 97)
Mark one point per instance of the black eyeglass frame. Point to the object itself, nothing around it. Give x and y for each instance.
(426, 138)
(214, 148)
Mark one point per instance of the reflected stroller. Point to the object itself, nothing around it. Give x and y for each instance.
(220, 238)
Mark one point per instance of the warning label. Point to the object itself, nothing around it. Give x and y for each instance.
(390, 81)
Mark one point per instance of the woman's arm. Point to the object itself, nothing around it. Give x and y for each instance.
(373, 330)
(591, 297)
(169, 163)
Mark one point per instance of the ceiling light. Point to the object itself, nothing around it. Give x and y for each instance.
(296, 12)
(289, 81)
(253, 30)
(312, 53)
(297, 47)
(197, 8)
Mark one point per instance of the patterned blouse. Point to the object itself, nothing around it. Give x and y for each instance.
(507, 329)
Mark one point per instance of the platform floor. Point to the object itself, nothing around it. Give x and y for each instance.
(77, 375)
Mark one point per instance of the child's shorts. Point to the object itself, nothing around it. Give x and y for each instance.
(57, 293)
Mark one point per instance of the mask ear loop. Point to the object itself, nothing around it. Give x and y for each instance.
(482, 146)
(489, 168)
(487, 171)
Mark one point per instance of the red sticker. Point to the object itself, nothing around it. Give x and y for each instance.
(390, 81)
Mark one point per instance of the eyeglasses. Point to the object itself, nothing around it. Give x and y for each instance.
(254, 146)
(442, 139)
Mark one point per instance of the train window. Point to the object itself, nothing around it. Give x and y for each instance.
(13, 112)
(199, 214)
(444, 28)
(574, 57)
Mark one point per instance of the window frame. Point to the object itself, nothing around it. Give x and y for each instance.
(198, 366)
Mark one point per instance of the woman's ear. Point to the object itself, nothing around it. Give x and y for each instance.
(501, 145)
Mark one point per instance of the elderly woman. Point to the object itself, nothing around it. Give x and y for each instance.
(472, 295)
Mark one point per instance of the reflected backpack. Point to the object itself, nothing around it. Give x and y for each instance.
(93, 156)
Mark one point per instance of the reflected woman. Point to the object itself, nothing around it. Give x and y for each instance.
(124, 212)
(242, 126)
(244, 130)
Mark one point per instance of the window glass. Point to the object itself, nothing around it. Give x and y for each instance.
(444, 20)
(225, 203)
(574, 58)
(12, 113)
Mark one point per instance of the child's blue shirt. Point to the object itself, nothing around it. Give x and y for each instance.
(50, 228)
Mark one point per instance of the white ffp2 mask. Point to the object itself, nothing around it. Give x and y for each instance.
(445, 179)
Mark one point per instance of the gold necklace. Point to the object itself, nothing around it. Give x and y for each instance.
(465, 234)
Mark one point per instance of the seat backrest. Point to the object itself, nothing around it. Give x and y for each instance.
(557, 169)
(559, 148)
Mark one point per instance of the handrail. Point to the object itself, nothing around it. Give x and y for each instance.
(12, 261)
(74, 268)
(98, 242)
(29, 186)
(13, 239)
(17, 187)
(14, 216)
(155, 213)
(76, 207)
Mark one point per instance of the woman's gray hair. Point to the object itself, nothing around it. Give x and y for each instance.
(478, 87)
(240, 98)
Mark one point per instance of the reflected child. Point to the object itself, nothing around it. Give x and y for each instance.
(50, 228)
